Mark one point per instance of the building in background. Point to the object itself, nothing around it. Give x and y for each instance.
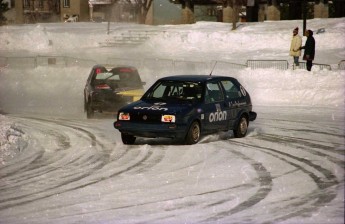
(168, 11)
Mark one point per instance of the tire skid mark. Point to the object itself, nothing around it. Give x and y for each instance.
(325, 193)
(38, 168)
(85, 162)
(93, 138)
(332, 179)
(308, 145)
(36, 165)
(305, 142)
(182, 198)
(161, 157)
(265, 187)
(4, 175)
(150, 164)
(195, 164)
(48, 192)
(315, 132)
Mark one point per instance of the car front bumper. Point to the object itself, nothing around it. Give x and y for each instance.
(165, 130)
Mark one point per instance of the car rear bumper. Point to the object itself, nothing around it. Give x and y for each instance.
(109, 105)
(252, 116)
(169, 130)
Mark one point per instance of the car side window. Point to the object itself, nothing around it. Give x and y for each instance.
(231, 90)
(213, 92)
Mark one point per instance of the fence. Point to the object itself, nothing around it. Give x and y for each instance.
(276, 64)
(33, 62)
(159, 65)
(303, 65)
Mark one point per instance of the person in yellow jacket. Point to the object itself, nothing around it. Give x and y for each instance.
(295, 46)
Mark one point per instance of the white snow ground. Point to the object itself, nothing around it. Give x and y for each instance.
(58, 167)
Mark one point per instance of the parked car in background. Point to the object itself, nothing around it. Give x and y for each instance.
(109, 88)
(185, 107)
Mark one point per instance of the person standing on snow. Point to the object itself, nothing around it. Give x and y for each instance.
(295, 47)
(309, 49)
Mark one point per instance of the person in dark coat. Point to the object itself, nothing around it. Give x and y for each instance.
(309, 49)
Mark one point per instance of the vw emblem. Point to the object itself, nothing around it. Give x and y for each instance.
(144, 117)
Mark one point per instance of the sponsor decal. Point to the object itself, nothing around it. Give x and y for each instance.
(217, 116)
(237, 103)
(243, 91)
(155, 106)
(159, 104)
(151, 108)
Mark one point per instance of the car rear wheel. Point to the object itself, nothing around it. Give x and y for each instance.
(242, 127)
(128, 139)
(193, 135)
(90, 113)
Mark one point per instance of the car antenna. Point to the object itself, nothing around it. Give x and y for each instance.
(213, 68)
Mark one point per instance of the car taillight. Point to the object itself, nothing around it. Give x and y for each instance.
(168, 118)
(124, 116)
(102, 86)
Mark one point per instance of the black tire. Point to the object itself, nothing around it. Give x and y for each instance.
(193, 135)
(90, 113)
(128, 139)
(242, 127)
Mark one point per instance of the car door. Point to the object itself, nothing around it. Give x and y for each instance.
(234, 99)
(215, 109)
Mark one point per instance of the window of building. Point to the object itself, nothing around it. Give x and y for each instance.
(26, 3)
(66, 3)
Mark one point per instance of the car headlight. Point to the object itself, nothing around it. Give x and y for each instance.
(168, 118)
(124, 116)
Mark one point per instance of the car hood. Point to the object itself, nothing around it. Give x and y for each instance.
(135, 93)
(159, 106)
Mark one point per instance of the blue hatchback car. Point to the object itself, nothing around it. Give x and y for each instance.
(185, 107)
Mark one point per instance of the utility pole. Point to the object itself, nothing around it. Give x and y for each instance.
(304, 12)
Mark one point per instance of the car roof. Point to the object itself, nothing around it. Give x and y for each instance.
(195, 78)
(110, 66)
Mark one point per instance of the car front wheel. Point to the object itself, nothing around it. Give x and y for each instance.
(242, 127)
(128, 139)
(193, 135)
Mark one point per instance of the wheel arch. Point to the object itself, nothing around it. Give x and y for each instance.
(240, 114)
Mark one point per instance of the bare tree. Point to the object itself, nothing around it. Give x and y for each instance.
(235, 5)
(141, 7)
(3, 9)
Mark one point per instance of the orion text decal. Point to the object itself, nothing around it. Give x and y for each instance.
(217, 116)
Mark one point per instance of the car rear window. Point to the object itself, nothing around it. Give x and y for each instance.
(107, 75)
(124, 77)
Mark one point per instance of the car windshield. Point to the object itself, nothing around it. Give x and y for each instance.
(175, 90)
